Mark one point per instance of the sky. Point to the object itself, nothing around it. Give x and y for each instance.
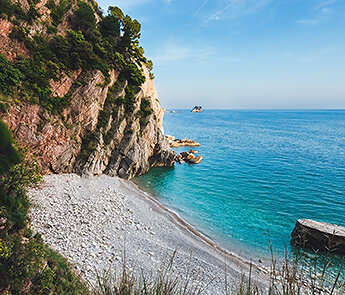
(244, 54)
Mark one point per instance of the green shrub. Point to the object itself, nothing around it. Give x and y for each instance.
(18, 33)
(8, 154)
(3, 108)
(84, 18)
(51, 30)
(58, 11)
(27, 265)
(144, 111)
(109, 26)
(103, 118)
(9, 75)
(134, 75)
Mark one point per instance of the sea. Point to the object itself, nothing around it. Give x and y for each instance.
(262, 170)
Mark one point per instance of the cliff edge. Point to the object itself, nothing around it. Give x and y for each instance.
(78, 91)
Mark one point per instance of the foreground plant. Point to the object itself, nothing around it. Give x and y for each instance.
(27, 265)
(164, 282)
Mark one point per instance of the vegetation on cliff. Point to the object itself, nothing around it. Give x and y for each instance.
(76, 88)
(110, 43)
(27, 265)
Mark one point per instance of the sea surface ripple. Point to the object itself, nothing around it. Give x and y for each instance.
(261, 171)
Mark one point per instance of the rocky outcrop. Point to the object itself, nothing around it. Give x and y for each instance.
(188, 157)
(181, 142)
(197, 109)
(11, 48)
(133, 147)
(128, 141)
(131, 150)
(319, 235)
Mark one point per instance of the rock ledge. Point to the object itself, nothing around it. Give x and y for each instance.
(319, 235)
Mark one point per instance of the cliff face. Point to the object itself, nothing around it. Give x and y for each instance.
(128, 144)
(131, 150)
(134, 146)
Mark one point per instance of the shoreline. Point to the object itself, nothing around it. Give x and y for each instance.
(237, 250)
(102, 222)
(193, 230)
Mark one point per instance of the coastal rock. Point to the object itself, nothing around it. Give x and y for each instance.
(319, 235)
(184, 154)
(193, 151)
(188, 157)
(195, 160)
(197, 109)
(126, 143)
(170, 138)
(183, 142)
(132, 147)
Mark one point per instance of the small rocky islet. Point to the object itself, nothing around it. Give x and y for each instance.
(183, 157)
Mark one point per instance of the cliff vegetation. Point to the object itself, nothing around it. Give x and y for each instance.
(76, 88)
(27, 265)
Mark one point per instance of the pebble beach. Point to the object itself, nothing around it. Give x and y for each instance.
(100, 223)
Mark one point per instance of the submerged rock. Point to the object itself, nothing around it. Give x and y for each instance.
(319, 235)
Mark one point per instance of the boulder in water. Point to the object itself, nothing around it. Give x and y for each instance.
(195, 160)
(319, 235)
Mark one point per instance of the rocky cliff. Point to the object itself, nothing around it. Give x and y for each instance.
(109, 124)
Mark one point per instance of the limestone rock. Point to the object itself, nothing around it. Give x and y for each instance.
(72, 142)
(319, 235)
(197, 109)
(132, 148)
(183, 142)
(195, 160)
(190, 157)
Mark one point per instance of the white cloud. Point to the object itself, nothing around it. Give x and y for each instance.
(327, 10)
(287, 54)
(308, 22)
(323, 12)
(173, 51)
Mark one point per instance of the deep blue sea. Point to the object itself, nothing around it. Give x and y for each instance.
(261, 171)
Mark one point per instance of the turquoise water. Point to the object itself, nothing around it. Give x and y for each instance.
(261, 171)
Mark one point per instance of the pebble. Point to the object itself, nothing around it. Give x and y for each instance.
(94, 225)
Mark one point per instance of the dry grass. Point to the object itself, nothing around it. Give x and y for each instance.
(298, 276)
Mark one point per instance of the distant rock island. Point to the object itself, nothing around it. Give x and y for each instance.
(197, 109)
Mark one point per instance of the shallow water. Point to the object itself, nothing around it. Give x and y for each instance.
(261, 171)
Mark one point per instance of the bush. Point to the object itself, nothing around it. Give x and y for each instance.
(103, 118)
(109, 26)
(8, 154)
(84, 18)
(134, 75)
(9, 76)
(27, 265)
(58, 11)
(144, 111)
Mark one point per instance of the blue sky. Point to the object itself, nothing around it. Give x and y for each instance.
(244, 53)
